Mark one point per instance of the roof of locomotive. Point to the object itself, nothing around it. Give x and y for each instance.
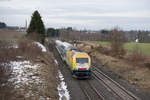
(77, 52)
(68, 46)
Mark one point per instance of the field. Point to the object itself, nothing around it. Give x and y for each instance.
(10, 35)
(136, 73)
(143, 47)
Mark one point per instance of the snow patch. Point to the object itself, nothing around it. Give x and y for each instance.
(12, 46)
(62, 88)
(15, 46)
(24, 76)
(41, 46)
(19, 56)
(24, 73)
(56, 61)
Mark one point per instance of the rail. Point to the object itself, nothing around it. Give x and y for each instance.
(119, 90)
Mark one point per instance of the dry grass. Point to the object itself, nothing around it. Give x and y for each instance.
(48, 73)
(134, 68)
(10, 35)
(6, 87)
(103, 49)
(34, 36)
(27, 50)
(137, 58)
(134, 74)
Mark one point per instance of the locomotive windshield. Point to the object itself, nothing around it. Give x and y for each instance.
(81, 60)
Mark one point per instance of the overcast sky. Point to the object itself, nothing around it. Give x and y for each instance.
(79, 14)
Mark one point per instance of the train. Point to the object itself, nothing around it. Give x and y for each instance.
(79, 62)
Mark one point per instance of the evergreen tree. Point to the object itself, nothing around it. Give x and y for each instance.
(37, 26)
(2, 25)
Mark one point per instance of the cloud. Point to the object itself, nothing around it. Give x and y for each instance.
(12, 11)
(94, 14)
(5, 0)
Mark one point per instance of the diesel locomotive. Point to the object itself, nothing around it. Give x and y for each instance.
(78, 62)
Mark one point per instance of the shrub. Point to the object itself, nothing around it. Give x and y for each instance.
(103, 50)
(136, 57)
(6, 90)
(10, 52)
(28, 49)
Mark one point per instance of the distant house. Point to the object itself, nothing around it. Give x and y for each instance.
(22, 29)
(137, 40)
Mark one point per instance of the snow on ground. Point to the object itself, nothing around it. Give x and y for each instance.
(25, 76)
(22, 72)
(62, 88)
(41, 46)
(15, 46)
(56, 61)
(11, 46)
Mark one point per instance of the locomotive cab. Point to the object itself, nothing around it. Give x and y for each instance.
(82, 65)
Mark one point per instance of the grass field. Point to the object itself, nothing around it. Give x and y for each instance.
(144, 47)
(7, 35)
(9, 40)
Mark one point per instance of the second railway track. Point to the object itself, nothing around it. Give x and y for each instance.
(113, 86)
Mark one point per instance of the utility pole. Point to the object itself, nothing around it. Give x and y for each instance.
(26, 25)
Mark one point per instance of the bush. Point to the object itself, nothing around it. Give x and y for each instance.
(28, 49)
(103, 50)
(136, 57)
(6, 90)
(6, 52)
(34, 37)
(10, 52)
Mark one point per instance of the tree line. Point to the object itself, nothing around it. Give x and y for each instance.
(103, 35)
(37, 29)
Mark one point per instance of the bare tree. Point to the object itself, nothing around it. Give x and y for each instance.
(117, 40)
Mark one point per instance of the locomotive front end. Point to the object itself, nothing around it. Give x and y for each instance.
(82, 65)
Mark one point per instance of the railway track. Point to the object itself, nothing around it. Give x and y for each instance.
(90, 91)
(95, 90)
(86, 93)
(113, 86)
(87, 88)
